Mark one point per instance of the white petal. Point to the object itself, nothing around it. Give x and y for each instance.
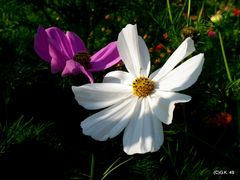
(184, 50)
(184, 76)
(133, 51)
(109, 122)
(163, 103)
(143, 133)
(153, 74)
(101, 95)
(121, 77)
(145, 62)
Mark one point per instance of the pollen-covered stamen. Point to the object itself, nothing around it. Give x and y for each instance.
(83, 58)
(142, 86)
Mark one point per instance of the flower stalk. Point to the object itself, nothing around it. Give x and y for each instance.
(112, 167)
(169, 12)
(188, 12)
(92, 167)
(200, 13)
(170, 15)
(224, 57)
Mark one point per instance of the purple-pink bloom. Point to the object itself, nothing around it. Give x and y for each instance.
(211, 33)
(66, 52)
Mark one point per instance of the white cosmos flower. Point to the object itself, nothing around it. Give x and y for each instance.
(134, 101)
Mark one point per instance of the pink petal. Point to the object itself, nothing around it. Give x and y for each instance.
(105, 58)
(41, 44)
(88, 74)
(58, 61)
(73, 68)
(76, 43)
(60, 41)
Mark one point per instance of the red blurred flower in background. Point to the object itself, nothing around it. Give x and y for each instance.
(211, 33)
(159, 47)
(219, 119)
(236, 12)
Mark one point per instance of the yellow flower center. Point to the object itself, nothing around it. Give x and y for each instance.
(142, 87)
(83, 58)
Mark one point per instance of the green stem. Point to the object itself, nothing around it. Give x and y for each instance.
(238, 118)
(169, 12)
(112, 168)
(171, 157)
(92, 167)
(170, 15)
(224, 57)
(188, 12)
(200, 13)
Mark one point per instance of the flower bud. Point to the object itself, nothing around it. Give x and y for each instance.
(217, 18)
(211, 33)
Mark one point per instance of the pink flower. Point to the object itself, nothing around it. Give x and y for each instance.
(66, 53)
(211, 33)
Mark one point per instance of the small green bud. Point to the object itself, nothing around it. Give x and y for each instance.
(217, 18)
